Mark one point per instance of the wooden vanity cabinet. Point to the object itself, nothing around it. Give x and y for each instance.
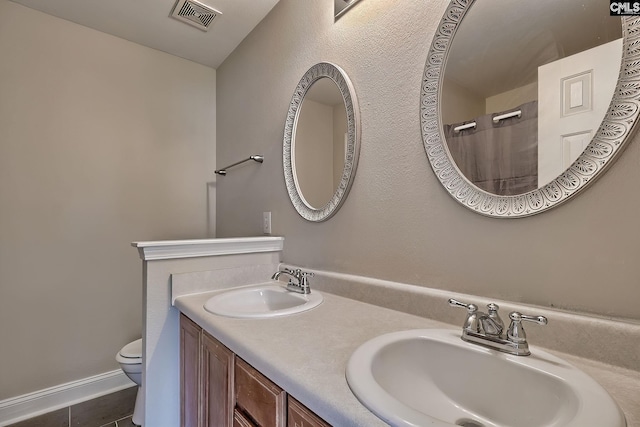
(219, 389)
(299, 416)
(258, 397)
(190, 345)
(216, 388)
(240, 420)
(206, 378)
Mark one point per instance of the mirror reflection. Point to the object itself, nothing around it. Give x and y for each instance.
(319, 145)
(520, 103)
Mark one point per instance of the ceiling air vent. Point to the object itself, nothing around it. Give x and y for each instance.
(195, 13)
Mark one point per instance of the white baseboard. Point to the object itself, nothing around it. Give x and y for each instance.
(50, 399)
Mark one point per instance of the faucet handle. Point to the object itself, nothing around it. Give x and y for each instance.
(540, 320)
(471, 323)
(303, 282)
(471, 308)
(516, 331)
(303, 278)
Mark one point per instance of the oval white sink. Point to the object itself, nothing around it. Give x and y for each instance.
(430, 377)
(261, 302)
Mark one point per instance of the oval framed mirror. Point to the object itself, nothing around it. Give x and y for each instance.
(321, 142)
(503, 139)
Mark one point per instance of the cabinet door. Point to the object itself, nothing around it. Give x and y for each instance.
(300, 416)
(240, 420)
(217, 383)
(263, 401)
(189, 372)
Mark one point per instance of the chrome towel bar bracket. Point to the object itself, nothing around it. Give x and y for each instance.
(256, 158)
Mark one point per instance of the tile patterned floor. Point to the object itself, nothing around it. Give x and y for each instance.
(59, 418)
(112, 410)
(125, 422)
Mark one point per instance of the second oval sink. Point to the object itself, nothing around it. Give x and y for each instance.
(263, 301)
(431, 377)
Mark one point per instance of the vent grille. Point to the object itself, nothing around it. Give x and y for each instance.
(195, 13)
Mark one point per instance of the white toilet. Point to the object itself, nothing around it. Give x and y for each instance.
(130, 360)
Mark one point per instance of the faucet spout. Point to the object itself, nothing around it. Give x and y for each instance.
(277, 274)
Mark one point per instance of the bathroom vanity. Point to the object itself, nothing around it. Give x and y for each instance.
(298, 358)
(272, 372)
(291, 368)
(218, 388)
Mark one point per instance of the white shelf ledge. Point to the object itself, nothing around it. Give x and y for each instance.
(170, 249)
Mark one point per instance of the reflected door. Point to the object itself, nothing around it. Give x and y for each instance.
(573, 95)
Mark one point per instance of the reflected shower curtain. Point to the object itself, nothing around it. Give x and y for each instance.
(500, 158)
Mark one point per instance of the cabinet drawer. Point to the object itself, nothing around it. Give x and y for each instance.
(300, 416)
(258, 397)
(240, 421)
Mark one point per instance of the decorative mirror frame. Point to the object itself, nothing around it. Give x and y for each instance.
(612, 136)
(340, 7)
(340, 78)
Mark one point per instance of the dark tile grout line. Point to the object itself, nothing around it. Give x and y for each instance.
(113, 422)
(122, 419)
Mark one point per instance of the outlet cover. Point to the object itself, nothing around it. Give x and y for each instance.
(266, 222)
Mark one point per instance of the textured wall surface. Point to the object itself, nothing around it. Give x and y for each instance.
(102, 142)
(398, 223)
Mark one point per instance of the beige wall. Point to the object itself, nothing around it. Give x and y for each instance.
(398, 223)
(102, 142)
(512, 98)
(461, 105)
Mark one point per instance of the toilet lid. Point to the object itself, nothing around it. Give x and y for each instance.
(132, 350)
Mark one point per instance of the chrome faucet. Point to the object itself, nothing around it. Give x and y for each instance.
(301, 284)
(487, 329)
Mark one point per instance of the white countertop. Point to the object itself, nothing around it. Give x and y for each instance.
(306, 354)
